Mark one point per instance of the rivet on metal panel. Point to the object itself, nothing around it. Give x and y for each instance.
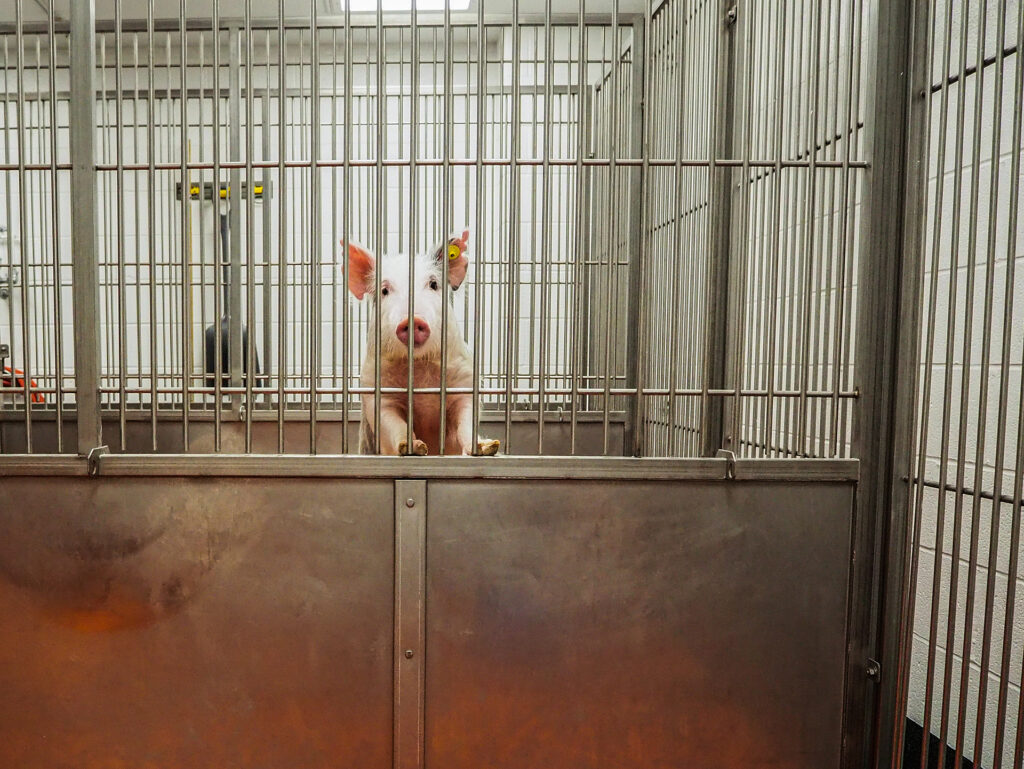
(730, 464)
(408, 654)
(410, 502)
(873, 670)
(94, 459)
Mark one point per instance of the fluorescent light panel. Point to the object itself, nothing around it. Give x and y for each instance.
(370, 6)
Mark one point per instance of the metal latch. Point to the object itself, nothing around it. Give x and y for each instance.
(94, 459)
(730, 463)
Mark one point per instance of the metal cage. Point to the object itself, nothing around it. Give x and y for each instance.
(764, 253)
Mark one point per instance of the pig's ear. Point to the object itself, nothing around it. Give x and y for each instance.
(455, 252)
(360, 270)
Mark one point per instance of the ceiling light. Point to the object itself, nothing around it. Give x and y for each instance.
(337, 7)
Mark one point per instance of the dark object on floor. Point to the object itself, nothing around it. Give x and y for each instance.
(912, 751)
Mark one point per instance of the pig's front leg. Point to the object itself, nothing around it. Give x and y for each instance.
(460, 416)
(393, 429)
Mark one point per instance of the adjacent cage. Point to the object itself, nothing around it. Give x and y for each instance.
(663, 252)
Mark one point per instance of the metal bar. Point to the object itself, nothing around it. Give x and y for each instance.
(410, 622)
(883, 266)
(347, 209)
(515, 226)
(720, 228)
(315, 234)
(446, 212)
(235, 219)
(426, 468)
(84, 237)
(1015, 510)
(282, 233)
(637, 237)
(219, 300)
(378, 239)
(186, 231)
(23, 198)
(267, 245)
(58, 302)
(481, 93)
(545, 232)
(575, 348)
(414, 82)
(151, 223)
(250, 245)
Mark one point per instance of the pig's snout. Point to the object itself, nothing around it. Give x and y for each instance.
(420, 334)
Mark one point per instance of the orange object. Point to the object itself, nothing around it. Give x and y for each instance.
(16, 378)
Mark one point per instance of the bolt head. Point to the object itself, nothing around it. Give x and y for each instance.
(410, 502)
(408, 654)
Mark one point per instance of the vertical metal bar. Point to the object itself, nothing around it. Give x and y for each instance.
(58, 303)
(957, 199)
(250, 245)
(902, 577)
(481, 92)
(723, 58)
(937, 224)
(315, 234)
(23, 199)
(151, 220)
(282, 228)
(969, 343)
(219, 298)
(578, 251)
(511, 374)
(186, 232)
(85, 243)
(347, 209)
(738, 288)
(235, 220)
(884, 265)
(637, 237)
(265, 216)
(616, 54)
(1015, 509)
(545, 232)
(446, 211)
(410, 622)
(413, 200)
(378, 235)
(990, 265)
(203, 315)
(334, 233)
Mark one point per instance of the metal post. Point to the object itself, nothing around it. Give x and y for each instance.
(636, 233)
(234, 202)
(720, 183)
(410, 620)
(84, 236)
(887, 331)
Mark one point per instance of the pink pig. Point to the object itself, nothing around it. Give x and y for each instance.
(425, 328)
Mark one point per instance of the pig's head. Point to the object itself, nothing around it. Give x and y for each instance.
(426, 287)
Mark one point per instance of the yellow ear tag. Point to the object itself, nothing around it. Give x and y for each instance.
(454, 252)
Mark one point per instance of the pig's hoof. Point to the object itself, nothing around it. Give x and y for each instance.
(419, 448)
(488, 448)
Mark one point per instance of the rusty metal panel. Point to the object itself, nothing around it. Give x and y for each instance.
(609, 624)
(196, 622)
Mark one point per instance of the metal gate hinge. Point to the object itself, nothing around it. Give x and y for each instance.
(730, 463)
(873, 670)
(94, 459)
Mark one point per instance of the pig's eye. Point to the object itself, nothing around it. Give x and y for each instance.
(433, 285)
(384, 291)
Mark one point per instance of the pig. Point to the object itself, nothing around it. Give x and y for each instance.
(426, 332)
